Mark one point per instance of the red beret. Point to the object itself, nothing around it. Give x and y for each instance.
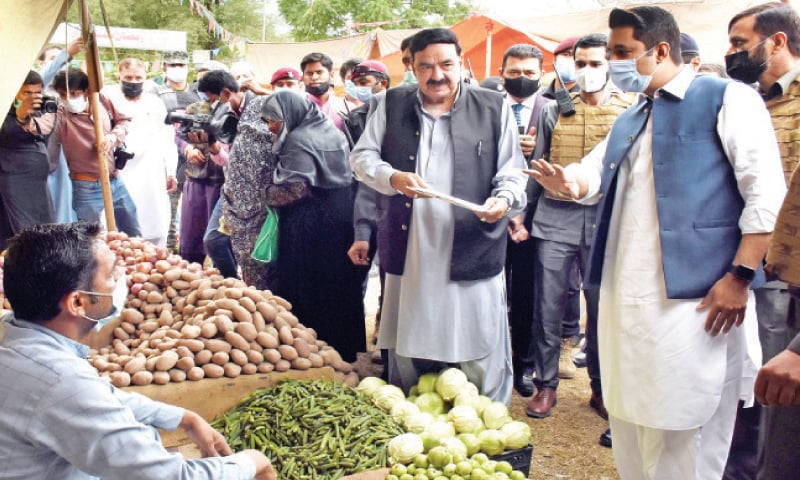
(370, 67)
(566, 45)
(285, 72)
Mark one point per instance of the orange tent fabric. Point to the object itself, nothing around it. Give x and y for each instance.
(473, 35)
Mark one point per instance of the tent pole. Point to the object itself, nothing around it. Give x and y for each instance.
(95, 84)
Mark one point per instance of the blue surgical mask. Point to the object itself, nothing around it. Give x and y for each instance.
(626, 76)
(363, 94)
(566, 69)
(409, 78)
(202, 96)
(118, 297)
(350, 89)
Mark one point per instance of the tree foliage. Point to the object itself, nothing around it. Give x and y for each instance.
(319, 19)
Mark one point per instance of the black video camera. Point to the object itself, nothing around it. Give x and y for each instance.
(121, 156)
(49, 104)
(217, 124)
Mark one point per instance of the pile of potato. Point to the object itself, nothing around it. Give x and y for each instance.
(183, 323)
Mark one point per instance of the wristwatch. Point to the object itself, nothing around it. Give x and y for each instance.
(743, 272)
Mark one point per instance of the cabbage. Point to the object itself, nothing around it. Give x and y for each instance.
(517, 434)
(400, 410)
(427, 383)
(429, 441)
(466, 398)
(492, 442)
(441, 430)
(456, 448)
(387, 395)
(465, 419)
(495, 415)
(403, 448)
(368, 385)
(470, 440)
(417, 422)
(450, 383)
(439, 456)
(430, 402)
(483, 402)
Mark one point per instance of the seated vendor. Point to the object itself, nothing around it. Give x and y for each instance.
(60, 420)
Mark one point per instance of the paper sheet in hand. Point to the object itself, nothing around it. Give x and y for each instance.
(450, 199)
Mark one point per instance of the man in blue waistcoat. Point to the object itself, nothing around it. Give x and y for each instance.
(444, 301)
(689, 182)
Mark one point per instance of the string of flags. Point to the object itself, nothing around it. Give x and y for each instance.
(214, 28)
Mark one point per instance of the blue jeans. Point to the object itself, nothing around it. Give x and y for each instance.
(218, 245)
(87, 201)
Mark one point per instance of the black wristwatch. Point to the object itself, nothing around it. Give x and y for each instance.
(743, 272)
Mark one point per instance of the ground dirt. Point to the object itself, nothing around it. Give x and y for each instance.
(565, 445)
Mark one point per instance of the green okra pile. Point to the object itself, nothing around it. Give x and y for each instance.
(311, 429)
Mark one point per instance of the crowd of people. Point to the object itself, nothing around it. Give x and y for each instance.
(639, 177)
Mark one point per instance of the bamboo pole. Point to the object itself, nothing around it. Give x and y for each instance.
(95, 84)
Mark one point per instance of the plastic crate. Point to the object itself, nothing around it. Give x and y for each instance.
(520, 458)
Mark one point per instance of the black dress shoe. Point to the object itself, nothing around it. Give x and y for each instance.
(596, 402)
(579, 359)
(524, 385)
(605, 438)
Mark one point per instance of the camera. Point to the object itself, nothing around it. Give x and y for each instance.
(219, 124)
(121, 157)
(49, 104)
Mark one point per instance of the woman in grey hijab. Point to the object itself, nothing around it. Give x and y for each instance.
(312, 191)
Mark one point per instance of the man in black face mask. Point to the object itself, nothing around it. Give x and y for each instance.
(521, 70)
(150, 174)
(765, 49)
(316, 68)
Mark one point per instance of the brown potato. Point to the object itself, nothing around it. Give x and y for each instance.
(132, 316)
(167, 361)
(171, 275)
(267, 311)
(285, 335)
(282, 365)
(265, 367)
(248, 304)
(249, 369)
(237, 341)
(176, 375)
(194, 344)
(183, 351)
(288, 352)
(121, 334)
(136, 364)
(120, 379)
(290, 318)
(161, 378)
(149, 326)
(241, 314)
(255, 357)
(216, 345)
(272, 355)
(246, 330)
(207, 294)
(180, 284)
(266, 340)
(142, 378)
(238, 357)
(196, 373)
(154, 297)
(209, 330)
(191, 331)
(220, 358)
(301, 363)
(212, 370)
(223, 323)
(185, 363)
(232, 370)
(202, 357)
(303, 350)
(233, 292)
(316, 360)
(259, 322)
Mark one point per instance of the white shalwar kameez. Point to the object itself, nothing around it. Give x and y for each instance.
(671, 389)
(155, 157)
(425, 315)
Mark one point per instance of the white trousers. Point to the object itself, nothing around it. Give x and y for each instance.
(700, 453)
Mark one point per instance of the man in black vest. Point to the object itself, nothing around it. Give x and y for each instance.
(444, 302)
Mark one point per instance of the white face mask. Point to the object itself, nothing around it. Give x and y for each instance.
(591, 79)
(566, 69)
(76, 105)
(177, 74)
(118, 297)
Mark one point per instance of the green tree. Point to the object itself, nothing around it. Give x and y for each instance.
(319, 19)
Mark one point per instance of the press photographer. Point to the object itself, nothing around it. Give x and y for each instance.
(200, 127)
(23, 160)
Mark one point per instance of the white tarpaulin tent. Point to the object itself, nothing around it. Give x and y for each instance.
(705, 20)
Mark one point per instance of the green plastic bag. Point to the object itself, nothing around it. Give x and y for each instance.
(265, 249)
